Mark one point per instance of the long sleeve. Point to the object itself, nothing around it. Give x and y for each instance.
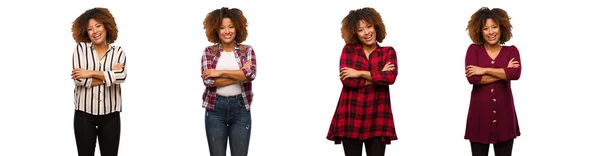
(210, 82)
(112, 77)
(250, 73)
(514, 73)
(386, 77)
(472, 59)
(78, 63)
(348, 61)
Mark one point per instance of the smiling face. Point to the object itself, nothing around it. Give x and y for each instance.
(96, 32)
(366, 33)
(491, 32)
(226, 31)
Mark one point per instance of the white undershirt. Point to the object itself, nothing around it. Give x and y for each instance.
(227, 62)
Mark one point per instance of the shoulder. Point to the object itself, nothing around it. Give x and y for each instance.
(475, 46)
(247, 47)
(388, 49)
(349, 48)
(511, 48)
(118, 48)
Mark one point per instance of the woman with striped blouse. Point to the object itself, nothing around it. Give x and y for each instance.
(228, 68)
(98, 70)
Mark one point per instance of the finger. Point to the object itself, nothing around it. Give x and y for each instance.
(511, 59)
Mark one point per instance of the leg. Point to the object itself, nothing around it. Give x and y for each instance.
(352, 147)
(503, 148)
(375, 147)
(216, 129)
(240, 127)
(85, 134)
(109, 133)
(479, 149)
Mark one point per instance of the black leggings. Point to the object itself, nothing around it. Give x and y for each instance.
(374, 146)
(107, 128)
(500, 149)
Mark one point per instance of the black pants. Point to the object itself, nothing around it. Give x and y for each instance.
(107, 128)
(374, 146)
(500, 149)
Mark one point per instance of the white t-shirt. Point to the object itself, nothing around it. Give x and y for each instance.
(227, 62)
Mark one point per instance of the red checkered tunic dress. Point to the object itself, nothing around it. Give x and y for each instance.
(363, 111)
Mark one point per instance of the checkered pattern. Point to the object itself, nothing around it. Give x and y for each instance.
(209, 61)
(364, 112)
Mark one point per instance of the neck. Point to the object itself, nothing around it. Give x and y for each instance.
(102, 46)
(228, 46)
(369, 48)
(492, 46)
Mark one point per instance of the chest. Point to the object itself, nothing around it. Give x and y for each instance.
(493, 60)
(227, 61)
(362, 61)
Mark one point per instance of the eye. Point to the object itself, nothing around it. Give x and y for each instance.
(495, 26)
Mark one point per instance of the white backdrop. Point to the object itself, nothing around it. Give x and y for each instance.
(298, 45)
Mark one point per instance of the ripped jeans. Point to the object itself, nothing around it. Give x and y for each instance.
(230, 119)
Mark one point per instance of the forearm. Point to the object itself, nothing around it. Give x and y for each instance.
(495, 72)
(366, 75)
(486, 79)
(97, 82)
(220, 82)
(97, 75)
(236, 75)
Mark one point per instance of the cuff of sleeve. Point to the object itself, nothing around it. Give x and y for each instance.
(87, 82)
(108, 78)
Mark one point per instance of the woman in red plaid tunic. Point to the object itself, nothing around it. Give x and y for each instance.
(364, 111)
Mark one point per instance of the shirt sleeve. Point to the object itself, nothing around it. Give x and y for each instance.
(210, 82)
(112, 77)
(514, 73)
(386, 77)
(250, 73)
(78, 63)
(347, 61)
(472, 59)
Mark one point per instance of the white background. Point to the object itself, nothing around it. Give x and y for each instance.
(298, 45)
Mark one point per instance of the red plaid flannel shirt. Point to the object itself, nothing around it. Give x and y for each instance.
(209, 61)
(363, 111)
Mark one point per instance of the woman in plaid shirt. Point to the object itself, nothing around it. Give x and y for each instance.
(228, 69)
(364, 111)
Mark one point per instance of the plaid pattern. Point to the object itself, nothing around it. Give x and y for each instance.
(209, 61)
(492, 117)
(364, 112)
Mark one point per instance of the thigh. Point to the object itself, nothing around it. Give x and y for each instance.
(375, 147)
(216, 130)
(240, 127)
(109, 134)
(85, 134)
(503, 148)
(352, 147)
(479, 149)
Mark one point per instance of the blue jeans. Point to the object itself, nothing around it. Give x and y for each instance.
(230, 119)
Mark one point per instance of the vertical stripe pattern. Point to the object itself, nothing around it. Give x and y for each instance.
(102, 99)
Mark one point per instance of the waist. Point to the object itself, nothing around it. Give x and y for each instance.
(238, 96)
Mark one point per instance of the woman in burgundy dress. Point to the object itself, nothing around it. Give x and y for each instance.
(364, 112)
(490, 67)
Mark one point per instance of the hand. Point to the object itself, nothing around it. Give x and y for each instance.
(247, 64)
(474, 70)
(79, 73)
(347, 72)
(389, 67)
(210, 73)
(513, 64)
(118, 66)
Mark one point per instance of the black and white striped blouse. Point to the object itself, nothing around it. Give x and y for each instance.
(105, 98)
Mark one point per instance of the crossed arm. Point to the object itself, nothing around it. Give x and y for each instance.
(226, 77)
(477, 75)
